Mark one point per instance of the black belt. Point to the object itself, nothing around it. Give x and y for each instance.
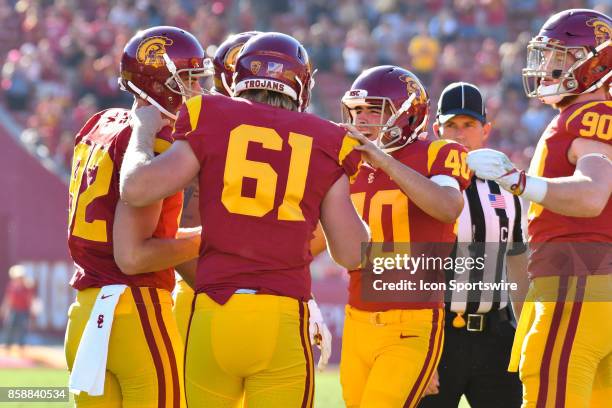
(479, 322)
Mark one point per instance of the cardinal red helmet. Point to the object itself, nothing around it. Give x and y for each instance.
(571, 55)
(399, 90)
(275, 62)
(224, 60)
(162, 65)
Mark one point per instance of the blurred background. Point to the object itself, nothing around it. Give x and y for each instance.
(59, 65)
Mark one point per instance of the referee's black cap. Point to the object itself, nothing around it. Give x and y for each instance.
(461, 98)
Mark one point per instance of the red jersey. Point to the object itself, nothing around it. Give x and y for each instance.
(19, 296)
(392, 217)
(592, 120)
(263, 174)
(94, 194)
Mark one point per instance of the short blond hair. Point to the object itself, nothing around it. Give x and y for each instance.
(272, 98)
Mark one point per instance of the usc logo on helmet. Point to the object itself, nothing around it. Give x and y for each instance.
(413, 88)
(151, 51)
(255, 67)
(601, 29)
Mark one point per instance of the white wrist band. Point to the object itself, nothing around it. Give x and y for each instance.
(535, 189)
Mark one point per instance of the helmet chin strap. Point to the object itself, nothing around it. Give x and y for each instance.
(142, 94)
(299, 98)
(228, 88)
(599, 83)
(404, 108)
(391, 121)
(591, 54)
(413, 136)
(172, 68)
(311, 84)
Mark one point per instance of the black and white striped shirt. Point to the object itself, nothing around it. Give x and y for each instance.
(493, 216)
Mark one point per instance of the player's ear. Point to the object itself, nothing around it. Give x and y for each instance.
(437, 129)
(158, 87)
(486, 130)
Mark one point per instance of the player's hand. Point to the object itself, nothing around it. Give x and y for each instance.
(148, 119)
(489, 164)
(319, 334)
(370, 151)
(433, 387)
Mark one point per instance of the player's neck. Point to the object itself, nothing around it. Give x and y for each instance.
(600, 95)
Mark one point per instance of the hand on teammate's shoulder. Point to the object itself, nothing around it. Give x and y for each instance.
(148, 119)
(370, 151)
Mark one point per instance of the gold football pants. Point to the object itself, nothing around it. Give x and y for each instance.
(389, 357)
(255, 348)
(144, 368)
(564, 343)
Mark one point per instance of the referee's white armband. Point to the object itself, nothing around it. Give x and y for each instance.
(445, 181)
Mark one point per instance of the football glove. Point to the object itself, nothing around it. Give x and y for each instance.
(319, 333)
(489, 164)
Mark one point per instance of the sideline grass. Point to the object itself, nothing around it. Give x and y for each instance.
(328, 393)
(34, 377)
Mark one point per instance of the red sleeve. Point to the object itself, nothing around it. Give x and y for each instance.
(449, 158)
(8, 290)
(592, 121)
(186, 125)
(93, 121)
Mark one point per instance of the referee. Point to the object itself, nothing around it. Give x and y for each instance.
(479, 326)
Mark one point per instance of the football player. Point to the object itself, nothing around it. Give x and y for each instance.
(114, 244)
(268, 172)
(224, 62)
(409, 192)
(564, 338)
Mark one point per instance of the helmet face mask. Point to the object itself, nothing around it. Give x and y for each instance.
(403, 102)
(163, 66)
(550, 70)
(189, 82)
(368, 115)
(571, 55)
(378, 122)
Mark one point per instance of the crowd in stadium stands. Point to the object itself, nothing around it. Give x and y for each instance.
(59, 58)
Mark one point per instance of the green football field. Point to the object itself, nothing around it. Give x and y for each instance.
(327, 388)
